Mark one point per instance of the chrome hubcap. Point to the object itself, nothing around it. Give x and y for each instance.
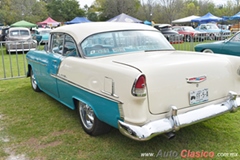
(87, 115)
(34, 83)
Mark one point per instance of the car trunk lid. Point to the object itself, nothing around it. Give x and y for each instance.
(179, 78)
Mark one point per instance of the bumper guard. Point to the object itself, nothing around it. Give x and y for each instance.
(173, 122)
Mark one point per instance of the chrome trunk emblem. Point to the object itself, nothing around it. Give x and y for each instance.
(196, 79)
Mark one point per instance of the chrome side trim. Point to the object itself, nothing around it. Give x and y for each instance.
(174, 121)
(61, 78)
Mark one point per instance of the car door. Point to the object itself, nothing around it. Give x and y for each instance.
(51, 61)
(59, 49)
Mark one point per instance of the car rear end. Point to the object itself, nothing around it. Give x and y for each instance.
(180, 91)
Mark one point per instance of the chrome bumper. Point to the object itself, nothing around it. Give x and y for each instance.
(174, 122)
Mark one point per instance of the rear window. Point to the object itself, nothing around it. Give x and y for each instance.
(19, 33)
(120, 42)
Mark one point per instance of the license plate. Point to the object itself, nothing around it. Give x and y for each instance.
(198, 96)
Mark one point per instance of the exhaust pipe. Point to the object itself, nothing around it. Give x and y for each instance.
(169, 135)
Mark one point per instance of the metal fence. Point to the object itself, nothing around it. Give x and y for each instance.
(13, 62)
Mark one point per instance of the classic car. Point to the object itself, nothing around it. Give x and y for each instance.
(41, 35)
(171, 35)
(190, 34)
(130, 77)
(229, 46)
(19, 39)
(213, 32)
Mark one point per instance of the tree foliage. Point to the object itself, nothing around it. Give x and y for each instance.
(161, 11)
(64, 10)
(35, 10)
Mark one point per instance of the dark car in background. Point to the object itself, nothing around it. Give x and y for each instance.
(4, 33)
(190, 34)
(171, 35)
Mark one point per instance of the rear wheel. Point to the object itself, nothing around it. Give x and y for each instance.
(34, 82)
(208, 51)
(89, 121)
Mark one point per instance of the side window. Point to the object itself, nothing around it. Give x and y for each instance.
(70, 48)
(57, 43)
(63, 44)
(236, 38)
(203, 27)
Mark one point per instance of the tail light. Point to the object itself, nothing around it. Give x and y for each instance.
(139, 86)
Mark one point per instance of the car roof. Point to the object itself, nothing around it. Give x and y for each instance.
(44, 29)
(18, 28)
(163, 25)
(82, 30)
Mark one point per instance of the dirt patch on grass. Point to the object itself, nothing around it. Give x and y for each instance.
(35, 144)
(9, 151)
(13, 156)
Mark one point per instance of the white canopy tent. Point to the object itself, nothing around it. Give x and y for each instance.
(185, 20)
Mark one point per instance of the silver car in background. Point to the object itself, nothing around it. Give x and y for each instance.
(19, 39)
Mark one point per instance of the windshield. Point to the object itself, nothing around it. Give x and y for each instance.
(44, 32)
(111, 43)
(189, 29)
(19, 33)
(211, 26)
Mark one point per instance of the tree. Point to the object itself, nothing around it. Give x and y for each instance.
(112, 8)
(147, 7)
(64, 10)
(16, 10)
(170, 9)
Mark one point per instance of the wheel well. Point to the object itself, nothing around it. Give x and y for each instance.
(29, 70)
(75, 102)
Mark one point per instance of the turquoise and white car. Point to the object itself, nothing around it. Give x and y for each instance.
(129, 77)
(41, 35)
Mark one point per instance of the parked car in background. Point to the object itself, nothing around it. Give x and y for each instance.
(131, 78)
(213, 32)
(19, 39)
(229, 46)
(4, 32)
(41, 35)
(190, 34)
(171, 35)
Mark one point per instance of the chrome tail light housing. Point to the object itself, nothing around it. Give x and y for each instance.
(139, 86)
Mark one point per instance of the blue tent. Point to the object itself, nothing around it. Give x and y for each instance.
(78, 20)
(124, 18)
(235, 17)
(207, 18)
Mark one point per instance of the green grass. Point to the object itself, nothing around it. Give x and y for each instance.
(39, 127)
